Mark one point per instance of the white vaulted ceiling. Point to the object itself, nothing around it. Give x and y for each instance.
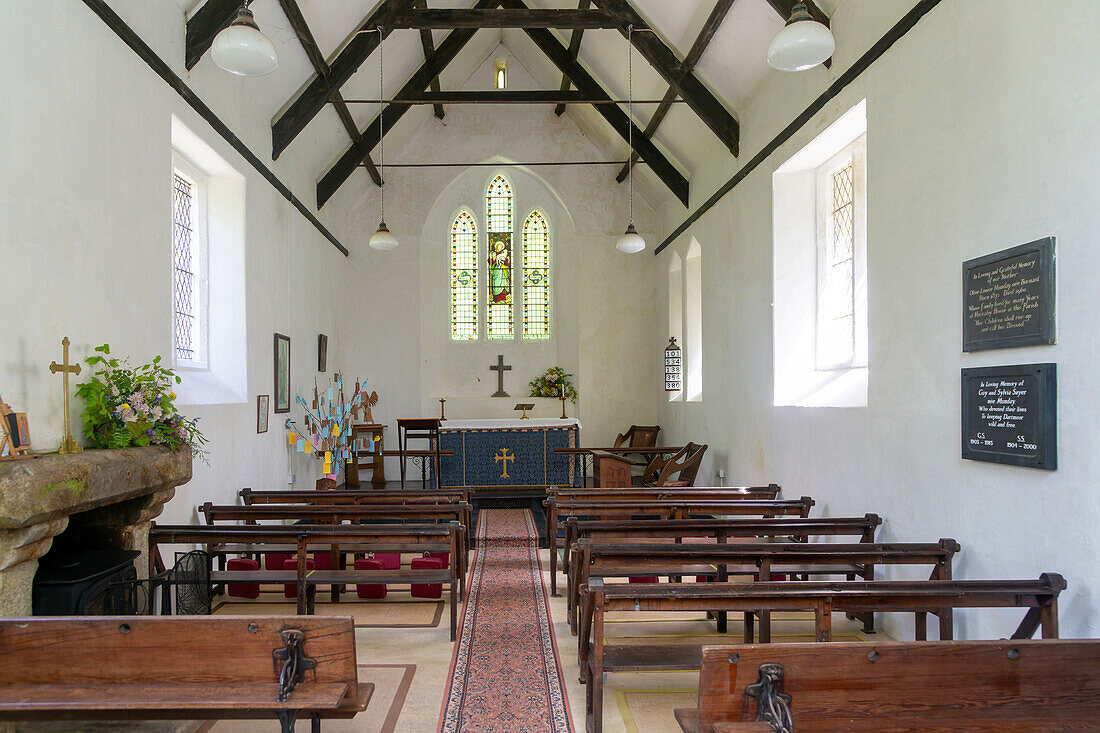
(732, 68)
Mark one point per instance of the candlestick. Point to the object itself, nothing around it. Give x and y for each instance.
(442, 409)
(563, 415)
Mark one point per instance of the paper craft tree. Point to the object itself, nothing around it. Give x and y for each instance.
(325, 428)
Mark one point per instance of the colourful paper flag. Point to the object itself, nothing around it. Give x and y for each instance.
(301, 445)
(293, 438)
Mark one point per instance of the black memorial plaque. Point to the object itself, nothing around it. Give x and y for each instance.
(1009, 415)
(1008, 298)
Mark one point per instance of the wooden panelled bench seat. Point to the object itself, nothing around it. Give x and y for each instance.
(179, 667)
(760, 559)
(368, 496)
(674, 505)
(939, 597)
(1012, 685)
(794, 529)
(339, 540)
(337, 513)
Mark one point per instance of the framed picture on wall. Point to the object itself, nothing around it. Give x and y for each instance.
(282, 373)
(322, 352)
(262, 402)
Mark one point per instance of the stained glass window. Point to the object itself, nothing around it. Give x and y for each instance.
(536, 277)
(184, 270)
(464, 278)
(499, 322)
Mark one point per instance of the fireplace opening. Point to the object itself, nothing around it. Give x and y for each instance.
(90, 583)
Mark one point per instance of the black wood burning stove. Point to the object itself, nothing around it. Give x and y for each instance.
(89, 583)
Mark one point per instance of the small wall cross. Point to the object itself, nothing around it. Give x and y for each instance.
(68, 443)
(500, 368)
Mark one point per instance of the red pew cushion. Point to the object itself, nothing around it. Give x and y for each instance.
(242, 590)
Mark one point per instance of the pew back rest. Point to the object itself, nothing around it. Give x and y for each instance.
(895, 686)
(137, 650)
(638, 436)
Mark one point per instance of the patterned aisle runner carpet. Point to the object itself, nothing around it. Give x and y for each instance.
(506, 676)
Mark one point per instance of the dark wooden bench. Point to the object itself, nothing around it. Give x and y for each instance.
(179, 667)
(939, 597)
(339, 540)
(367, 496)
(794, 529)
(1008, 685)
(337, 513)
(662, 503)
(760, 559)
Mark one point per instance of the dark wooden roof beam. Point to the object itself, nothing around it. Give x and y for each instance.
(319, 90)
(507, 96)
(574, 49)
(664, 61)
(506, 18)
(616, 117)
(428, 43)
(710, 27)
(293, 14)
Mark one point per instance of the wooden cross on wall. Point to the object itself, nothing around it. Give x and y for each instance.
(500, 368)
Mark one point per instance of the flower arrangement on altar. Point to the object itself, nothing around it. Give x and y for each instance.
(555, 382)
(128, 406)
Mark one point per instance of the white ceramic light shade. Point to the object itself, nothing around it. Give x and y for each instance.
(631, 242)
(802, 44)
(383, 240)
(242, 49)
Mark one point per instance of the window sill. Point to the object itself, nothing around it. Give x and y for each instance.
(201, 387)
(832, 388)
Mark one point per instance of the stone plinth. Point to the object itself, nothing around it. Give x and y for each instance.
(116, 494)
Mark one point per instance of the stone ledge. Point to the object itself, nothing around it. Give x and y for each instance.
(38, 490)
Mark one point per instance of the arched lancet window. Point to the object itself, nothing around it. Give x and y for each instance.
(499, 322)
(536, 277)
(464, 278)
(693, 321)
(676, 310)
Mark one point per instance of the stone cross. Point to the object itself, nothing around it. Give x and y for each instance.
(500, 368)
(68, 443)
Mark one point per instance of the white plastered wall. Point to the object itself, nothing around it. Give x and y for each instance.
(981, 136)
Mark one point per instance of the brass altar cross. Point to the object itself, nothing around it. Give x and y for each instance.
(503, 456)
(68, 443)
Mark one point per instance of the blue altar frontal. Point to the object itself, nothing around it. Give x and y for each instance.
(499, 455)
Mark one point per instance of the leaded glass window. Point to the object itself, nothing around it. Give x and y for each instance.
(499, 321)
(464, 278)
(536, 277)
(185, 276)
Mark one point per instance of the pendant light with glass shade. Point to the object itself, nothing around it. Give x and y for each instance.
(631, 242)
(802, 44)
(382, 240)
(240, 48)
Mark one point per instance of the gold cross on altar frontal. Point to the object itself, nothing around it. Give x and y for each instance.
(68, 443)
(503, 456)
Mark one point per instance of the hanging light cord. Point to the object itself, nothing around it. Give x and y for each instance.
(381, 133)
(630, 111)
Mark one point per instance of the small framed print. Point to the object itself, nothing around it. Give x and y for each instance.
(322, 352)
(262, 402)
(282, 373)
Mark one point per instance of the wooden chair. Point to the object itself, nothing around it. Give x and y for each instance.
(638, 436)
(679, 470)
(419, 428)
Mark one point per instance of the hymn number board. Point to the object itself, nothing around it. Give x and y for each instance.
(1009, 415)
(1008, 298)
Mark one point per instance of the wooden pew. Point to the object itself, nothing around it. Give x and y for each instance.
(921, 597)
(794, 529)
(601, 504)
(299, 539)
(762, 559)
(337, 513)
(179, 667)
(1008, 685)
(369, 496)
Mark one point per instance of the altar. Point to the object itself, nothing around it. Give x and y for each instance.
(509, 456)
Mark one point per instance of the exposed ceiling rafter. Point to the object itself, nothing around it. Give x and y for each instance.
(710, 27)
(429, 48)
(662, 58)
(505, 18)
(574, 49)
(319, 90)
(619, 120)
(293, 14)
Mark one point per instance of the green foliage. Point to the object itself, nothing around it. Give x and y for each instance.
(128, 406)
(552, 383)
